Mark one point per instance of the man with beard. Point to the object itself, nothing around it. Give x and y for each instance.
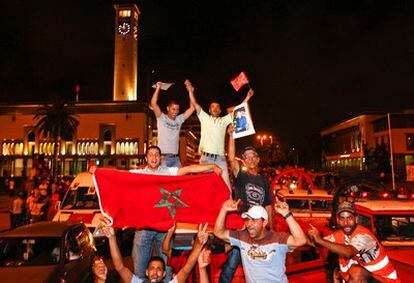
(156, 267)
(252, 189)
(361, 256)
(263, 252)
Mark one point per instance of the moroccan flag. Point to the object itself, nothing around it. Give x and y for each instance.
(239, 81)
(156, 201)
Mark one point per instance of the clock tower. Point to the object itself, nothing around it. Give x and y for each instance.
(126, 52)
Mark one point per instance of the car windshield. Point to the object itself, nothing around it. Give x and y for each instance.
(394, 227)
(321, 205)
(22, 251)
(81, 198)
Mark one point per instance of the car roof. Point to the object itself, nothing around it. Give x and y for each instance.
(83, 179)
(386, 205)
(40, 229)
(298, 193)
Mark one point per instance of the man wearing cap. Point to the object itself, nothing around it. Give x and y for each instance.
(263, 252)
(252, 189)
(361, 256)
(213, 132)
(169, 126)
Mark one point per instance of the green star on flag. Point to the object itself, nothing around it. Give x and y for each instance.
(171, 201)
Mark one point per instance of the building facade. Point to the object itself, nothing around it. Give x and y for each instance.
(113, 134)
(343, 144)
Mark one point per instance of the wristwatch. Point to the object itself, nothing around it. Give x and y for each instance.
(288, 215)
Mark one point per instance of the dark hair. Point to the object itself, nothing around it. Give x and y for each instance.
(157, 258)
(215, 100)
(151, 147)
(173, 102)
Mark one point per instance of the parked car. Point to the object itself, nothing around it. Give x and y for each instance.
(47, 252)
(392, 222)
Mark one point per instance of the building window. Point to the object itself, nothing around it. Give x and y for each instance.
(410, 141)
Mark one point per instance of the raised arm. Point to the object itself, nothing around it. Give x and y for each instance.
(202, 237)
(154, 100)
(246, 99)
(220, 230)
(234, 164)
(347, 251)
(203, 261)
(200, 168)
(297, 237)
(193, 100)
(124, 272)
(166, 243)
(190, 109)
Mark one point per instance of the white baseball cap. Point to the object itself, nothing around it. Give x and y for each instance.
(256, 212)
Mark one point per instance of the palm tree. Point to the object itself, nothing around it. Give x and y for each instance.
(56, 121)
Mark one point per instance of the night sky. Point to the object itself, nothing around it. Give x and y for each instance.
(311, 63)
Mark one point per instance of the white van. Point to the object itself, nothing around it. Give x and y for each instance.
(80, 203)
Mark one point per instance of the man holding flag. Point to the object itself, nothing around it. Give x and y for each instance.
(213, 132)
(142, 248)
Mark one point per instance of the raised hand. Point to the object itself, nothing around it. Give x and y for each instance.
(231, 205)
(313, 234)
(281, 207)
(250, 93)
(202, 234)
(172, 228)
(217, 169)
(158, 85)
(204, 258)
(189, 86)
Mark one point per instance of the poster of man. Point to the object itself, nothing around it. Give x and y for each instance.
(243, 124)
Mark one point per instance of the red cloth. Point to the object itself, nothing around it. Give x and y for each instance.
(239, 81)
(131, 199)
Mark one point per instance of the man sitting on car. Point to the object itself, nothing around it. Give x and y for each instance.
(361, 256)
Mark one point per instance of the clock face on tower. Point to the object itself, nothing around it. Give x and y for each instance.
(124, 28)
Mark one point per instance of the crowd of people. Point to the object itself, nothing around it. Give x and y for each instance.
(32, 199)
(261, 250)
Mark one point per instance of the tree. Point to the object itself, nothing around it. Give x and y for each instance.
(378, 159)
(57, 122)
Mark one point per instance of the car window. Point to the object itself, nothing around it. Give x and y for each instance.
(364, 221)
(302, 255)
(81, 198)
(25, 251)
(394, 227)
(321, 205)
(298, 204)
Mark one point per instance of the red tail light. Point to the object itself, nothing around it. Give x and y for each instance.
(385, 195)
(364, 194)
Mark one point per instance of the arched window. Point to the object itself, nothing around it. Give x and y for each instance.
(31, 137)
(107, 135)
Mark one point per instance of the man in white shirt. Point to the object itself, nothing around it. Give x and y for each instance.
(168, 126)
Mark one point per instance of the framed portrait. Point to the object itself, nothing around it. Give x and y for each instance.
(242, 120)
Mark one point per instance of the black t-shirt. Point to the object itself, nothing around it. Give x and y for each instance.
(252, 190)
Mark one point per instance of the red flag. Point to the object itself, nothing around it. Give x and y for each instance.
(239, 81)
(155, 201)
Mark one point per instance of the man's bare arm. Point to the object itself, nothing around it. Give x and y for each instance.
(200, 168)
(193, 100)
(248, 96)
(202, 237)
(154, 100)
(234, 164)
(220, 230)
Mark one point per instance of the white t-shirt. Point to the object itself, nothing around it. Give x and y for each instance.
(169, 133)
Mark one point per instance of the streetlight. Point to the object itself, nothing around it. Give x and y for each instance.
(264, 138)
